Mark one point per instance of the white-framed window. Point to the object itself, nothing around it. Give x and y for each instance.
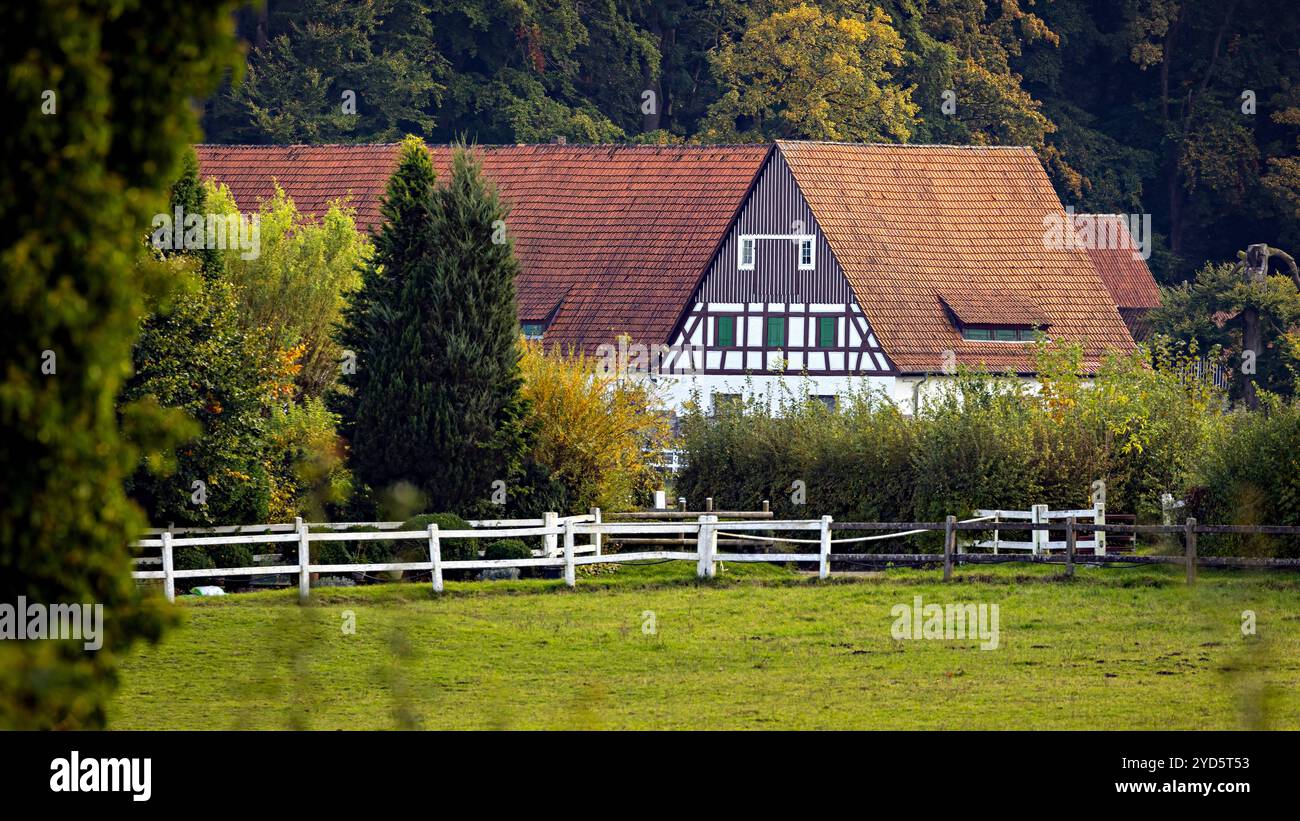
(805, 246)
(806, 258)
(746, 262)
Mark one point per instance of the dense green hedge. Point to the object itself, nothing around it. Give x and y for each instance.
(978, 441)
(1249, 473)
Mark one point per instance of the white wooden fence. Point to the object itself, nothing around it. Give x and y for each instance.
(1039, 542)
(560, 543)
(560, 547)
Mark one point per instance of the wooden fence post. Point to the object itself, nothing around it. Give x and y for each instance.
(825, 568)
(996, 542)
(708, 503)
(435, 556)
(570, 576)
(596, 534)
(1069, 547)
(169, 581)
(550, 541)
(949, 538)
(1190, 534)
(1038, 537)
(1099, 518)
(702, 546)
(767, 506)
(681, 504)
(304, 578)
(711, 569)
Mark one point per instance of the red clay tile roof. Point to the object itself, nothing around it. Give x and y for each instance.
(1135, 319)
(617, 236)
(313, 175)
(1123, 270)
(908, 223)
(992, 308)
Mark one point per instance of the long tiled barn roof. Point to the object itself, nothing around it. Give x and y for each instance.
(615, 237)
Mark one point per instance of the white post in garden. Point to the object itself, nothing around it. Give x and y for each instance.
(549, 521)
(1099, 517)
(711, 568)
(660, 501)
(169, 581)
(825, 568)
(304, 578)
(435, 556)
(570, 577)
(1039, 537)
(702, 546)
(595, 534)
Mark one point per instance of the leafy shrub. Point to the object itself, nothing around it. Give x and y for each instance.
(305, 461)
(345, 552)
(201, 558)
(974, 448)
(210, 558)
(1136, 426)
(192, 558)
(507, 549)
(232, 555)
(592, 430)
(977, 441)
(453, 550)
(1249, 473)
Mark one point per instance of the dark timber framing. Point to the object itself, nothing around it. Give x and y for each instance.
(776, 287)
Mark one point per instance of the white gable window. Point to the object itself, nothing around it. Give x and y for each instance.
(746, 262)
(806, 261)
(805, 246)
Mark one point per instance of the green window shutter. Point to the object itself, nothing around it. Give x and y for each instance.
(775, 331)
(725, 335)
(826, 332)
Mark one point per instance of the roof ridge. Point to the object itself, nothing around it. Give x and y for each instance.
(640, 146)
(850, 144)
(633, 146)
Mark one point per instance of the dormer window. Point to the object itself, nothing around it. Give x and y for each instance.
(806, 254)
(746, 253)
(994, 317)
(532, 330)
(999, 334)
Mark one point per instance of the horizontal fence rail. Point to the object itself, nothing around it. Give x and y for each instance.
(560, 547)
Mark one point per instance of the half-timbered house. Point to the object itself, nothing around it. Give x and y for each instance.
(820, 266)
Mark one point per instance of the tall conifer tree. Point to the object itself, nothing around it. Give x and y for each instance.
(434, 399)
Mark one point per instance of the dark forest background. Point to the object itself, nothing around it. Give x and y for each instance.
(1189, 111)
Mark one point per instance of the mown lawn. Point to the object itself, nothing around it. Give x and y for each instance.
(761, 647)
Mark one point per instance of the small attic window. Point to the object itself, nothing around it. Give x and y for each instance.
(806, 254)
(532, 330)
(746, 261)
(999, 334)
(994, 317)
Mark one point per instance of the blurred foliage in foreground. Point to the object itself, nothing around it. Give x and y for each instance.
(97, 128)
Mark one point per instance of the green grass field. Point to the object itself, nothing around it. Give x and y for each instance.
(760, 647)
